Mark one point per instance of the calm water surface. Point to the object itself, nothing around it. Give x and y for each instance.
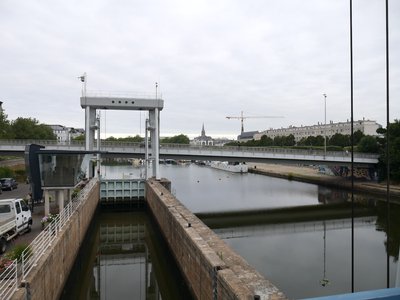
(125, 257)
(304, 259)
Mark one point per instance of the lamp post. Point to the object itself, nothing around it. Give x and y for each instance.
(325, 128)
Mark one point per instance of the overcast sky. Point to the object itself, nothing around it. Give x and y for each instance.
(212, 59)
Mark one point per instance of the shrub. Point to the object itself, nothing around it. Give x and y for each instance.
(16, 252)
(6, 172)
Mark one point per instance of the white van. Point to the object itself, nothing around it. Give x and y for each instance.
(15, 218)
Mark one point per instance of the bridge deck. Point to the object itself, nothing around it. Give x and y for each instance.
(175, 151)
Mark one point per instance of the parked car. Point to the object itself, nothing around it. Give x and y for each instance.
(1, 190)
(8, 184)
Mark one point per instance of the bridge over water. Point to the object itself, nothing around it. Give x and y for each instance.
(178, 151)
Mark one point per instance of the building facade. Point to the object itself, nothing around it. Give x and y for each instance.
(368, 127)
(203, 139)
(66, 134)
(247, 136)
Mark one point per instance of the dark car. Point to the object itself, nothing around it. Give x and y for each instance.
(8, 184)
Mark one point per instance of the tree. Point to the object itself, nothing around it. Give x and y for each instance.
(79, 138)
(177, 139)
(28, 128)
(129, 139)
(284, 140)
(393, 134)
(368, 144)
(358, 135)
(5, 127)
(340, 140)
(265, 141)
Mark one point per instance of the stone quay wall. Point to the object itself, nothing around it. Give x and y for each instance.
(47, 279)
(211, 268)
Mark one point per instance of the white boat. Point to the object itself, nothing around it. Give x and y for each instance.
(235, 167)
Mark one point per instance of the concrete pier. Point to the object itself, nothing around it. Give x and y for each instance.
(211, 268)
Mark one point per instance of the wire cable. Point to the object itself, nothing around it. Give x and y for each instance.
(387, 149)
(352, 146)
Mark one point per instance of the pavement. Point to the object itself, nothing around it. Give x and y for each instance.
(311, 174)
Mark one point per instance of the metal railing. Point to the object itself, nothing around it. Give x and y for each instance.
(122, 94)
(114, 144)
(9, 281)
(14, 274)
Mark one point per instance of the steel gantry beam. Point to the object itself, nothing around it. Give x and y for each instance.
(91, 103)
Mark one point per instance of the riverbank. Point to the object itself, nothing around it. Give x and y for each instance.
(311, 175)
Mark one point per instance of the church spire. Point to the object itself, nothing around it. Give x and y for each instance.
(203, 132)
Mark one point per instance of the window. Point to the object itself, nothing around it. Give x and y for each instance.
(24, 206)
(18, 207)
(5, 208)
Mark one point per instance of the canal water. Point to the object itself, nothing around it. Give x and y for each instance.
(308, 256)
(124, 257)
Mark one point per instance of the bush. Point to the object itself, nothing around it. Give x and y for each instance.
(6, 172)
(16, 252)
(20, 175)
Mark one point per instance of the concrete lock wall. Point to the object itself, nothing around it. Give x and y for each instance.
(47, 279)
(211, 268)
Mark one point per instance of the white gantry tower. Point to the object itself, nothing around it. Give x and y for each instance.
(91, 102)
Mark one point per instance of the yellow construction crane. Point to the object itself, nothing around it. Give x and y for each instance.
(241, 118)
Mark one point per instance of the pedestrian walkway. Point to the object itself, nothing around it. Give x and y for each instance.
(311, 174)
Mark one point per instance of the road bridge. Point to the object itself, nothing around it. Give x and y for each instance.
(212, 153)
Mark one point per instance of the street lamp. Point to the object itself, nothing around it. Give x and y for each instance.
(325, 128)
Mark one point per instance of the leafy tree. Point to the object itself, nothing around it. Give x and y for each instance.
(130, 139)
(339, 139)
(28, 128)
(312, 141)
(358, 135)
(5, 127)
(368, 144)
(290, 140)
(393, 134)
(284, 140)
(177, 139)
(265, 141)
(134, 139)
(79, 138)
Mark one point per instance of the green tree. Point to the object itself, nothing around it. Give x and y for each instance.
(358, 135)
(28, 128)
(265, 141)
(79, 138)
(284, 140)
(340, 140)
(368, 144)
(133, 139)
(278, 141)
(177, 139)
(290, 140)
(130, 139)
(393, 134)
(5, 127)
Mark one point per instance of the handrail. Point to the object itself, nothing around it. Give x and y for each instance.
(9, 281)
(223, 149)
(38, 247)
(121, 94)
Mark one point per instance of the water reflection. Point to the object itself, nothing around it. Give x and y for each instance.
(303, 244)
(310, 259)
(125, 258)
